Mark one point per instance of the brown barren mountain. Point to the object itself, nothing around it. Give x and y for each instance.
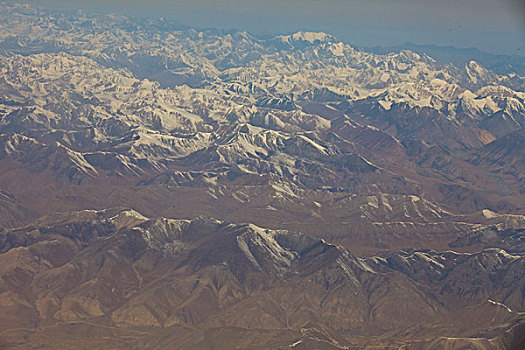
(115, 278)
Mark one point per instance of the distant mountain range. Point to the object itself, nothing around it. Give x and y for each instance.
(501, 64)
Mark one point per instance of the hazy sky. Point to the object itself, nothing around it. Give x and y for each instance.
(496, 26)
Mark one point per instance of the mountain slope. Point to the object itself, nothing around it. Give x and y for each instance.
(117, 269)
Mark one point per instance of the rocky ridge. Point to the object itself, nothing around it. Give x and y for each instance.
(116, 269)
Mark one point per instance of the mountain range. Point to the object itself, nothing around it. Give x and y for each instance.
(165, 185)
(501, 64)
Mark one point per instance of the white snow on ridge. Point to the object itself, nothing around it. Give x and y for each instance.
(310, 37)
(500, 304)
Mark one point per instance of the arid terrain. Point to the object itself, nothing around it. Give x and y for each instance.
(165, 187)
